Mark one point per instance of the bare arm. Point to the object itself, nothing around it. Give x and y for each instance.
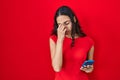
(89, 68)
(91, 53)
(56, 49)
(56, 54)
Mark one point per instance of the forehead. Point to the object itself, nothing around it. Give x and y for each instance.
(62, 18)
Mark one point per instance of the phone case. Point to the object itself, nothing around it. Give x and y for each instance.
(88, 62)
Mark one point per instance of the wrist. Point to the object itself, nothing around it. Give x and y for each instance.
(60, 41)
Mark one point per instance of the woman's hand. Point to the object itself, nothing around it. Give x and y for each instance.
(61, 32)
(87, 69)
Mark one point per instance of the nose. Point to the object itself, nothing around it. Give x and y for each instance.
(63, 25)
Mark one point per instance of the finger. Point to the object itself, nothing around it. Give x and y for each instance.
(84, 69)
(81, 68)
(88, 71)
(64, 30)
(84, 66)
(88, 66)
(91, 66)
(59, 27)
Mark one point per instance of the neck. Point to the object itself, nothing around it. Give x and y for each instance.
(69, 36)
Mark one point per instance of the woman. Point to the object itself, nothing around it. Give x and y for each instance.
(69, 47)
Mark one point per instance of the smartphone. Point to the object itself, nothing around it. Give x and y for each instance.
(88, 62)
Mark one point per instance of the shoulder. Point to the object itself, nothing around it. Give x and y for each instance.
(53, 37)
(90, 40)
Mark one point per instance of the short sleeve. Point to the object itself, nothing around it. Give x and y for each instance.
(54, 38)
(91, 41)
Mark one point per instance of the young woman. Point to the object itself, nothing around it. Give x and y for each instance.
(70, 47)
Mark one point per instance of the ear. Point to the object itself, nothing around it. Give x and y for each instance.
(74, 19)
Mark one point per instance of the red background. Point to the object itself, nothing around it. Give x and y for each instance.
(25, 26)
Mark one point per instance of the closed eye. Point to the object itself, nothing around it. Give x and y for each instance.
(66, 23)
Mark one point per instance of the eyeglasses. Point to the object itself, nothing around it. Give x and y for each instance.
(66, 23)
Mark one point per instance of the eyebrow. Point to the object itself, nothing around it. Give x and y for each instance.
(64, 22)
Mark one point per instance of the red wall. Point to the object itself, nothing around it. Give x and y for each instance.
(25, 26)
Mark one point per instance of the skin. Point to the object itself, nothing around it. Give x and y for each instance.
(64, 29)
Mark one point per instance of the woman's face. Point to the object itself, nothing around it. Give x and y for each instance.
(65, 21)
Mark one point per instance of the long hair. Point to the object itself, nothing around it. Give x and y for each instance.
(76, 28)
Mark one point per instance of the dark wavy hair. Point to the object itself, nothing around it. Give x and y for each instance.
(76, 28)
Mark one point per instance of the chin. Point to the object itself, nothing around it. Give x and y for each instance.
(67, 32)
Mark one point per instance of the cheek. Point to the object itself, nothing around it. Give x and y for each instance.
(69, 27)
